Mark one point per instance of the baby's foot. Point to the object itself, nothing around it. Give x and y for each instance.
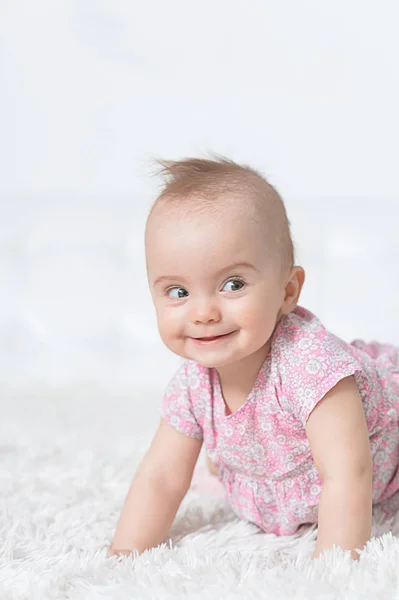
(205, 483)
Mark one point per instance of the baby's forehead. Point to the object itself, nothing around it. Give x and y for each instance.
(205, 248)
(205, 212)
(206, 232)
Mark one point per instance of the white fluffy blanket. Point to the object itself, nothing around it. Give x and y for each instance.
(67, 459)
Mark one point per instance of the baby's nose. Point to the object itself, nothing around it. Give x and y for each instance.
(206, 312)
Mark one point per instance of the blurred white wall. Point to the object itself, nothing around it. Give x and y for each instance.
(308, 92)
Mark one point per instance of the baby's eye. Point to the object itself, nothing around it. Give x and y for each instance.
(178, 290)
(234, 283)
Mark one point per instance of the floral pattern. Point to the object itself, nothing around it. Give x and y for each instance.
(261, 450)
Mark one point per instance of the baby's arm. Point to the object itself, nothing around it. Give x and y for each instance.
(158, 487)
(339, 440)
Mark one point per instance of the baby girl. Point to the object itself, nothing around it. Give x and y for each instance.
(300, 426)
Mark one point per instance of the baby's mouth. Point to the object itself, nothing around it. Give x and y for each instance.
(213, 338)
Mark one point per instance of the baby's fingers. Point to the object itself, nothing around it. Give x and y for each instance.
(119, 553)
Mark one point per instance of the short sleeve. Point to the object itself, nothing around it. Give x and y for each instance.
(177, 408)
(312, 366)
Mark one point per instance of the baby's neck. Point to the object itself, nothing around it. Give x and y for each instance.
(238, 378)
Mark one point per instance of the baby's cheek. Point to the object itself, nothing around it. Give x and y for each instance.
(253, 316)
(244, 312)
(164, 327)
(258, 326)
(168, 328)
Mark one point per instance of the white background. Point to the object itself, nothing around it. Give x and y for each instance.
(90, 92)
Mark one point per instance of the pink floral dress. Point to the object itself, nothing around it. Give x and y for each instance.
(262, 452)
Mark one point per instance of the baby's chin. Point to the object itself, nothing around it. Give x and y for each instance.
(204, 361)
(212, 362)
(207, 356)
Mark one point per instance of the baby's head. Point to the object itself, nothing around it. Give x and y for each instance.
(220, 260)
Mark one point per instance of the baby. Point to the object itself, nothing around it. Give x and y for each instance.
(300, 426)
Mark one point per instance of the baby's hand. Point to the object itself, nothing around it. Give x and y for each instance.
(114, 552)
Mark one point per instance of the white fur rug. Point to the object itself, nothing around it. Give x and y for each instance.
(67, 459)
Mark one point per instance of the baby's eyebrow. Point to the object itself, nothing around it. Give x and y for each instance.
(241, 265)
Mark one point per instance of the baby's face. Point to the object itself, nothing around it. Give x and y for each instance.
(211, 278)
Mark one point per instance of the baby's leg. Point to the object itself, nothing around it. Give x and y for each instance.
(211, 466)
(205, 480)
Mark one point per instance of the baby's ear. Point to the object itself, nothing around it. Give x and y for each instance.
(293, 288)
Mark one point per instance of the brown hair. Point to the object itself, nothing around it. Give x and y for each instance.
(201, 184)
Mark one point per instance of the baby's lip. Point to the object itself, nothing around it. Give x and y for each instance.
(211, 337)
